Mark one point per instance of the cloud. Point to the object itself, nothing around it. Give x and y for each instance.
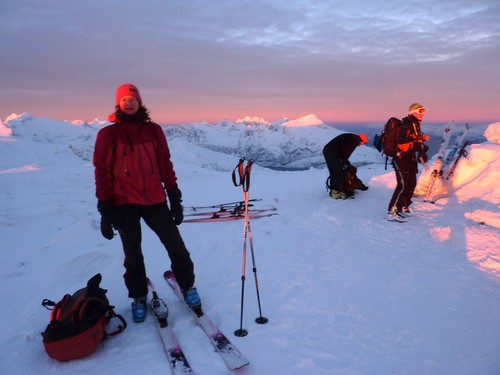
(229, 55)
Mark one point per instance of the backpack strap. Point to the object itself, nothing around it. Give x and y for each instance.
(121, 327)
(55, 307)
(328, 185)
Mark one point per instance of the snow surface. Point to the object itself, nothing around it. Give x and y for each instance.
(345, 291)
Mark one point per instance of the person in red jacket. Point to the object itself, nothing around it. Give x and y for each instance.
(133, 176)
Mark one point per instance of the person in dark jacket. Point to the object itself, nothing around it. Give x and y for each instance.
(343, 179)
(411, 150)
(133, 177)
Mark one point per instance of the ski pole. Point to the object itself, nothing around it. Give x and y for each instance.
(241, 174)
(260, 319)
(242, 332)
(244, 181)
(246, 188)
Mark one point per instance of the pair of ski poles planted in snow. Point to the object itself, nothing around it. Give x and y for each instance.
(241, 177)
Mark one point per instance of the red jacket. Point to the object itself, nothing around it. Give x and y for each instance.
(132, 164)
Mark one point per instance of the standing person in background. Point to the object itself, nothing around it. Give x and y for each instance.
(343, 179)
(133, 176)
(411, 149)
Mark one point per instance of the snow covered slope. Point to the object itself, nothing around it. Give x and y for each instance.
(345, 291)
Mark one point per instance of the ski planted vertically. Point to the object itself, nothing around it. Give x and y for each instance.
(231, 356)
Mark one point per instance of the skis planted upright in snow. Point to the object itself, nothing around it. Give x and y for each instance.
(231, 356)
(437, 187)
(176, 357)
(438, 164)
(451, 169)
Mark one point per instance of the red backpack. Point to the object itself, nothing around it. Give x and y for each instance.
(78, 321)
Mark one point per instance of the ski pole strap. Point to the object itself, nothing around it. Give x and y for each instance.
(241, 173)
(243, 177)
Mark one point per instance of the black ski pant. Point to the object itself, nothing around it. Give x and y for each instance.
(406, 177)
(335, 166)
(157, 217)
(412, 175)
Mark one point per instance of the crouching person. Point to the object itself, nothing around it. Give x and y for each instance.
(343, 179)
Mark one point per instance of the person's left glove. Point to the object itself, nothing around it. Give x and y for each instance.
(176, 209)
(105, 208)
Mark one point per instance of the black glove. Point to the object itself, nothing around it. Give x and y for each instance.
(363, 187)
(176, 209)
(105, 208)
(422, 153)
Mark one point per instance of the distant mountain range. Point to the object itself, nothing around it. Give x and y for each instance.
(281, 145)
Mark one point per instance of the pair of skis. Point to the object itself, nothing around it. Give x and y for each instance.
(225, 215)
(227, 211)
(445, 167)
(227, 206)
(231, 356)
(429, 176)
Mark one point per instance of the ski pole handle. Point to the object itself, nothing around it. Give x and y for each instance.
(246, 179)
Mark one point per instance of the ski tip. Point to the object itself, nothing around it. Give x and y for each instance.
(238, 366)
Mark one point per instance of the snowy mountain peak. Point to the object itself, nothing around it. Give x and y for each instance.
(253, 119)
(309, 120)
(96, 122)
(22, 117)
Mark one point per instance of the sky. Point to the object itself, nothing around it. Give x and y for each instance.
(355, 61)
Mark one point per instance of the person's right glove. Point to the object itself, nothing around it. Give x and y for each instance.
(105, 208)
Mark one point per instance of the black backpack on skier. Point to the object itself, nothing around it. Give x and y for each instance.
(386, 141)
(77, 322)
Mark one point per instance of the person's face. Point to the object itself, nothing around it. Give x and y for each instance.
(419, 113)
(129, 105)
(419, 116)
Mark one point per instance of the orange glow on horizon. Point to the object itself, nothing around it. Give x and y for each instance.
(179, 114)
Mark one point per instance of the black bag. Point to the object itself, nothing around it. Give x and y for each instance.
(351, 180)
(386, 142)
(78, 321)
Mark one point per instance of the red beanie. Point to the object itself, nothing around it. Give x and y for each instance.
(127, 89)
